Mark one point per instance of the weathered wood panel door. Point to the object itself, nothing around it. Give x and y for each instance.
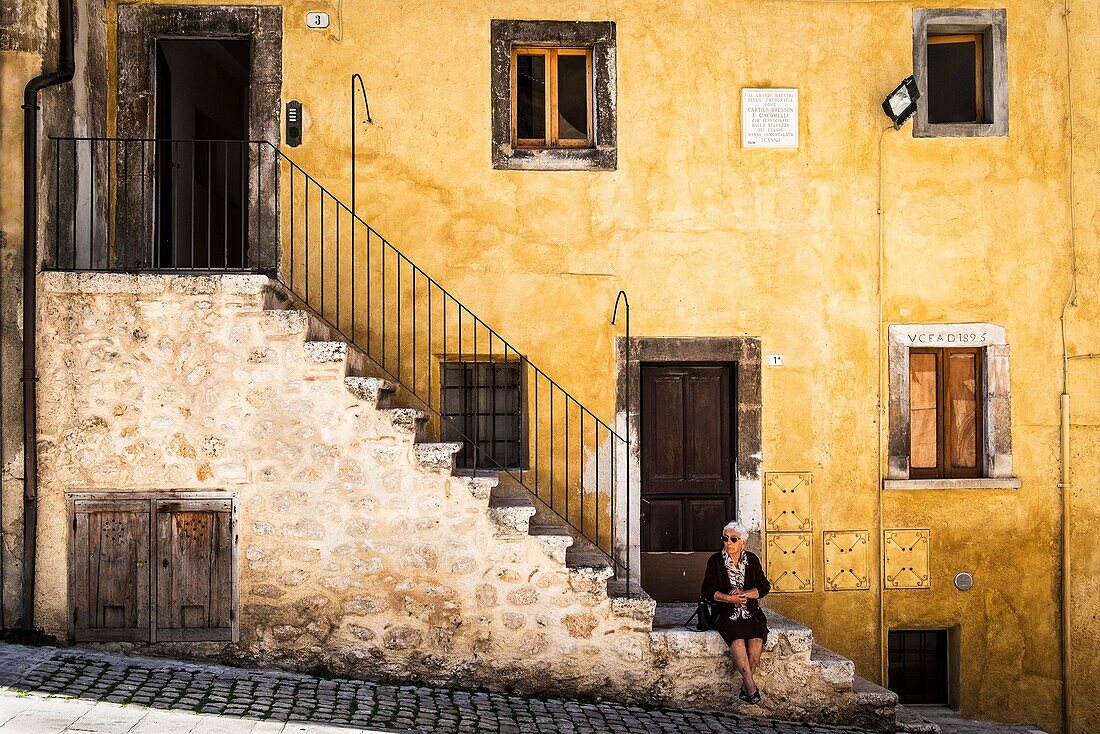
(195, 594)
(687, 473)
(111, 570)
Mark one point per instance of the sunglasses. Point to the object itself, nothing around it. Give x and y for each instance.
(728, 539)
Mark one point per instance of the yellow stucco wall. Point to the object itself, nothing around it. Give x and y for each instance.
(1084, 375)
(710, 239)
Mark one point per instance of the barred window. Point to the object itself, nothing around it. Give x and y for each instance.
(482, 406)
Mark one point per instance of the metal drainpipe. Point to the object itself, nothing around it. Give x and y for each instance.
(65, 72)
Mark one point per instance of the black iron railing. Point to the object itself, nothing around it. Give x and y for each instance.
(196, 205)
(123, 204)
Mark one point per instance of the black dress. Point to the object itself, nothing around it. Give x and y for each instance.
(716, 579)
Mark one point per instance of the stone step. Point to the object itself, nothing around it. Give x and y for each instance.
(410, 421)
(876, 707)
(554, 539)
(512, 515)
(480, 482)
(630, 600)
(911, 722)
(837, 670)
(322, 352)
(372, 390)
(436, 456)
(787, 639)
(285, 322)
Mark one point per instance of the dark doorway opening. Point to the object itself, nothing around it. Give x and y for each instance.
(202, 157)
(918, 666)
(688, 447)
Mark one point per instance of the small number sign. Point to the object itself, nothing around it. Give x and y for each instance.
(317, 20)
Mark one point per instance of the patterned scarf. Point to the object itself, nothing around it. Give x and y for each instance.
(736, 572)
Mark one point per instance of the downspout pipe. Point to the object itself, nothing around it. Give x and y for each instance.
(65, 72)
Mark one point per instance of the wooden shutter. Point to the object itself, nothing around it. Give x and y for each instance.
(195, 583)
(963, 404)
(110, 581)
(946, 403)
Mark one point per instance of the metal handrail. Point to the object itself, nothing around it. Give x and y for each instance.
(567, 457)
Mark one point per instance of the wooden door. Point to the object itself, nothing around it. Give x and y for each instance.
(195, 582)
(110, 570)
(687, 473)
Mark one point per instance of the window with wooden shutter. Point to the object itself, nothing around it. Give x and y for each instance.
(195, 586)
(110, 570)
(946, 405)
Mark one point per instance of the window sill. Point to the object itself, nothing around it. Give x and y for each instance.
(972, 483)
(508, 158)
(923, 129)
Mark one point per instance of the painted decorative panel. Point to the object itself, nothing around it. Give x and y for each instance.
(787, 499)
(790, 561)
(906, 559)
(844, 554)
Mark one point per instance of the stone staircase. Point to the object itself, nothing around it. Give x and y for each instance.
(815, 683)
(800, 679)
(361, 549)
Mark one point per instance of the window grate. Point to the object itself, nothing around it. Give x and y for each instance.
(918, 666)
(482, 407)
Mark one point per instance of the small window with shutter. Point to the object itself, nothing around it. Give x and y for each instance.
(150, 568)
(946, 405)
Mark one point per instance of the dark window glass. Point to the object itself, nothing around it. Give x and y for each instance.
(952, 82)
(531, 96)
(918, 666)
(482, 408)
(572, 97)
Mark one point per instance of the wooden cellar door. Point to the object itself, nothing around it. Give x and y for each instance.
(195, 595)
(110, 570)
(687, 473)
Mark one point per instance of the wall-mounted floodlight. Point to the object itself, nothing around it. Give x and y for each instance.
(901, 103)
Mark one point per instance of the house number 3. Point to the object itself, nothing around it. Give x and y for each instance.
(317, 20)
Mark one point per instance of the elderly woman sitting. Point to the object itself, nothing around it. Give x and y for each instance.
(735, 580)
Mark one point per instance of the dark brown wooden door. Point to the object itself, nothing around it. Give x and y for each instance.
(111, 570)
(687, 473)
(195, 594)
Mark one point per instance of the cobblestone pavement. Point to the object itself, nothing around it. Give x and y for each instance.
(45, 690)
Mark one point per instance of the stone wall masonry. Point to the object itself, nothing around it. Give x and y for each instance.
(359, 552)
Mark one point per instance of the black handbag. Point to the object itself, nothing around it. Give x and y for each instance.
(706, 613)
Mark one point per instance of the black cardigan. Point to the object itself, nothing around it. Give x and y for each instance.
(716, 579)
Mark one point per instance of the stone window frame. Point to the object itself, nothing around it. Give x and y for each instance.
(139, 28)
(992, 24)
(599, 36)
(745, 352)
(996, 409)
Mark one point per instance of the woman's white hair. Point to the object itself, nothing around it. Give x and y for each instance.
(738, 527)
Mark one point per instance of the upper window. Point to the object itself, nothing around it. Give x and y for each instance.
(950, 418)
(961, 68)
(553, 95)
(956, 89)
(945, 413)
